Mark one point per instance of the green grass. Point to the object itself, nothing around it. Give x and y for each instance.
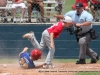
(68, 4)
(8, 61)
(70, 60)
(65, 60)
(12, 60)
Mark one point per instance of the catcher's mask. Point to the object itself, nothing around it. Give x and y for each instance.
(36, 54)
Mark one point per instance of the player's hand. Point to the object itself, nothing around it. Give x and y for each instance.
(52, 45)
(78, 24)
(20, 54)
(55, 15)
(24, 50)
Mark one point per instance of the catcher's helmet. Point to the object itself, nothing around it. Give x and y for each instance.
(36, 54)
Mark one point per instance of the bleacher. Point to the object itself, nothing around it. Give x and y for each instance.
(35, 14)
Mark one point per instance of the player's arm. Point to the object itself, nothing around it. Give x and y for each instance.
(58, 16)
(39, 66)
(24, 50)
(83, 24)
(21, 1)
(88, 21)
(30, 1)
(52, 40)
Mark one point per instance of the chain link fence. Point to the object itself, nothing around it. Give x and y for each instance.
(50, 7)
(39, 13)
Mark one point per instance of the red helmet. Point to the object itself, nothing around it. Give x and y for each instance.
(36, 54)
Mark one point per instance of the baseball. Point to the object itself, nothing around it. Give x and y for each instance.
(4, 65)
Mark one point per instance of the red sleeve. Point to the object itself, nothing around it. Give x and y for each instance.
(52, 28)
(56, 29)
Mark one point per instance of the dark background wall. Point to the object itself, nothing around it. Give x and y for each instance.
(12, 43)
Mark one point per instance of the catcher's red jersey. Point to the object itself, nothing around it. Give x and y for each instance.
(56, 29)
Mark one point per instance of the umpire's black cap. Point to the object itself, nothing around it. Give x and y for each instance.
(79, 5)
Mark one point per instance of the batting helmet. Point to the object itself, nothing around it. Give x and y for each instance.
(36, 54)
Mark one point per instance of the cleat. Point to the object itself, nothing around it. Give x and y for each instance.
(45, 66)
(28, 35)
(48, 66)
(97, 57)
(81, 61)
(94, 61)
(51, 66)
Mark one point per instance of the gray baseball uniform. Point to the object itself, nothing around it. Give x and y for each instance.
(45, 41)
(56, 29)
(85, 39)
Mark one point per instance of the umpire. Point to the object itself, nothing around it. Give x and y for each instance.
(82, 19)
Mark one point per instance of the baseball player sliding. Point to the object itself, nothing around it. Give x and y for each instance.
(47, 39)
(26, 59)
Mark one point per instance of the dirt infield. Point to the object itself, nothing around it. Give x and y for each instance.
(60, 69)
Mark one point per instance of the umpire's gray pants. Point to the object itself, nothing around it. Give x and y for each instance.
(45, 41)
(84, 47)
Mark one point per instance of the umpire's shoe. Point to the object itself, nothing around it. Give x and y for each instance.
(94, 61)
(81, 61)
(28, 35)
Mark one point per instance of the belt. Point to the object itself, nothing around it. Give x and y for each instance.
(84, 33)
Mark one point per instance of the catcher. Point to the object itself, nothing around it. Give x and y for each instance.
(26, 59)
